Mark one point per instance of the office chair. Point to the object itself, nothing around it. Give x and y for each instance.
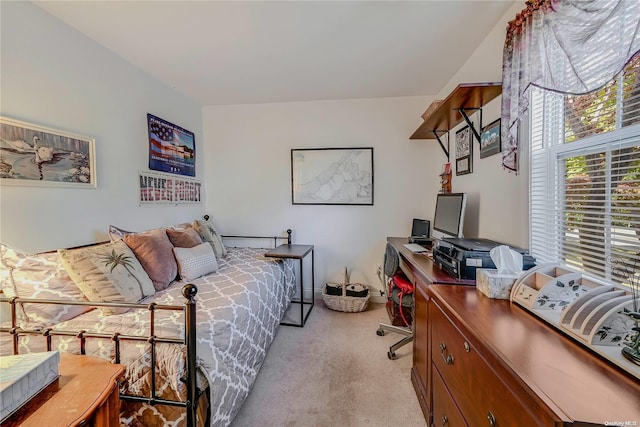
(399, 301)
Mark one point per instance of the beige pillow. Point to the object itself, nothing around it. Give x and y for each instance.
(185, 238)
(107, 273)
(209, 234)
(196, 261)
(155, 252)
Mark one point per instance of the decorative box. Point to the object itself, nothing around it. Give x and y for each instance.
(598, 315)
(494, 284)
(23, 376)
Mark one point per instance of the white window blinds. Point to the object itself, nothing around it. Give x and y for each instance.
(585, 176)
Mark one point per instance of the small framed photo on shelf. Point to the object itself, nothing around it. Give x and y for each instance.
(464, 151)
(490, 139)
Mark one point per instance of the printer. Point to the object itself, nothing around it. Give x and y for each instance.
(460, 257)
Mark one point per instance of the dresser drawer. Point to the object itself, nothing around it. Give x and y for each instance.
(482, 397)
(445, 411)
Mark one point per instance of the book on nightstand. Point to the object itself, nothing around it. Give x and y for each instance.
(23, 376)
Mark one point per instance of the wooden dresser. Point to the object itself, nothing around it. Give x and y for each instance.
(484, 362)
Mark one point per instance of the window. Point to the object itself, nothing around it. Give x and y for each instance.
(585, 177)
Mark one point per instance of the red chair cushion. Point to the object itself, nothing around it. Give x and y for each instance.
(401, 282)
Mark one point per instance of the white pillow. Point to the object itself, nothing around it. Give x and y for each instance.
(196, 261)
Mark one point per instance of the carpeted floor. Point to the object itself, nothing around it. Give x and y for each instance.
(333, 372)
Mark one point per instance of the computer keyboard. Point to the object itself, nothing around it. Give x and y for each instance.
(415, 248)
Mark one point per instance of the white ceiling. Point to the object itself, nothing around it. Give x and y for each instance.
(236, 52)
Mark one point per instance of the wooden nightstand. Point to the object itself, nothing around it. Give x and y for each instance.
(298, 252)
(86, 393)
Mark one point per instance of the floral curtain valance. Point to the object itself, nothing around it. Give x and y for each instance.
(567, 46)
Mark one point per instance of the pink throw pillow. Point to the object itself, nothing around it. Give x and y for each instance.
(155, 253)
(186, 238)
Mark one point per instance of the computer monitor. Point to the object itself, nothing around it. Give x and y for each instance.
(420, 228)
(448, 220)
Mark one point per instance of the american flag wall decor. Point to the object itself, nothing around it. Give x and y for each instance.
(172, 149)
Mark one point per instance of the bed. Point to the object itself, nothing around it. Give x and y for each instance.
(206, 340)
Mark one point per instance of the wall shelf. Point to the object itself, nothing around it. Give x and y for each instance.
(454, 110)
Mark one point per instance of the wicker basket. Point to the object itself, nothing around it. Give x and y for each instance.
(343, 302)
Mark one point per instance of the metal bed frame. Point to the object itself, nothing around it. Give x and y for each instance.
(189, 291)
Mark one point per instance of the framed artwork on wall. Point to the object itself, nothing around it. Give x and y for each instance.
(464, 151)
(332, 176)
(490, 139)
(40, 156)
(172, 149)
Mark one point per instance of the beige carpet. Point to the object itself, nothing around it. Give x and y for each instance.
(333, 372)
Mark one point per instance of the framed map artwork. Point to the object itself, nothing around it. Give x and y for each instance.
(332, 176)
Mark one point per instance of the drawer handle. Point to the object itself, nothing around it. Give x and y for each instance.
(492, 419)
(447, 359)
(445, 420)
(467, 347)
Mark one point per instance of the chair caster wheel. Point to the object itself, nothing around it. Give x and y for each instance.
(380, 332)
(391, 355)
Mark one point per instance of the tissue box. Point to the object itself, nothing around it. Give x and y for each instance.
(493, 284)
(23, 376)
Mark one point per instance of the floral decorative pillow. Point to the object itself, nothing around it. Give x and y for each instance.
(39, 276)
(208, 234)
(107, 273)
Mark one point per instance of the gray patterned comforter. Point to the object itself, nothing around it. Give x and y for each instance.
(238, 311)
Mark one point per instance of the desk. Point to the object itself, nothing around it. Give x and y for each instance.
(86, 393)
(422, 272)
(298, 252)
(491, 362)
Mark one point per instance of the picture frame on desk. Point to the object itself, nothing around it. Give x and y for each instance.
(464, 151)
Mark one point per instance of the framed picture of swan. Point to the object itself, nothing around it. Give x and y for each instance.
(40, 156)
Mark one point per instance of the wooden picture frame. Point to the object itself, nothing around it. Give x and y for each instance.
(332, 176)
(464, 151)
(35, 155)
(490, 141)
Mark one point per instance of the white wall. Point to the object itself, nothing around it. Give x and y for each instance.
(53, 76)
(498, 200)
(56, 77)
(247, 155)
